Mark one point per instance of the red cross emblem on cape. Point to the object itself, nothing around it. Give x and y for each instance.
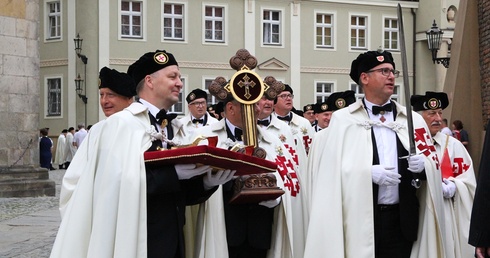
(424, 144)
(286, 169)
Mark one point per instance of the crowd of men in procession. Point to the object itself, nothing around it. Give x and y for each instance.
(352, 185)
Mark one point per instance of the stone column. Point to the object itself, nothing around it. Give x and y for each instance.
(20, 174)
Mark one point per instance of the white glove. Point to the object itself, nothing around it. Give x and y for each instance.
(221, 177)
(186, 171)
(384, 176)
(271, 203)
(448, 188)
(416, 163)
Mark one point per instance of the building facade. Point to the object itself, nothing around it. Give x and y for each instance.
(306, 44)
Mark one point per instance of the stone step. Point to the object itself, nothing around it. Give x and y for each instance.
(26, 182)
(27, 188)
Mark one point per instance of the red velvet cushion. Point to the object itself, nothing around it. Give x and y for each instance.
(215, 157)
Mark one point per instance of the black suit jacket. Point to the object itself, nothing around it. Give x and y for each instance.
(409, 204)
(167, 197)
(247, 222)
(480, 215)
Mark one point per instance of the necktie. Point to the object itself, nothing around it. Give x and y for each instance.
(285, 118)
(382, 109)
(163, 119)
(238, 134)
(264, 122)
(201, 121)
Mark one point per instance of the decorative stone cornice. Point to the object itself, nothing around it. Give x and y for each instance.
(331, 70)
(53, 62)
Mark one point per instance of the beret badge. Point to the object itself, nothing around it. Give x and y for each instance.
(433, 103)
(380, 58)
(324, 107)
(160, 58)
(340, 103)
(192, 96)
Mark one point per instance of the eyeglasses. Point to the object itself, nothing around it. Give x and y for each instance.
(197, 104)
(386, 72)
(285, 96)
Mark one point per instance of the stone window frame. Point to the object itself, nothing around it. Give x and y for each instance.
(390, 34)
(213, 20)
(356, 28)
(174, 18)
(53, 96)
(323, 89)
(131, 13)
(268, 25)
(49, 16)
(323, 26)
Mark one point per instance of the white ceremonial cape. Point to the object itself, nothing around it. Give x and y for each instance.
(458, 209)
(70, 150)
(59, 157)
(287, 232)
(106, 213)
(301, 129)
(342, 216)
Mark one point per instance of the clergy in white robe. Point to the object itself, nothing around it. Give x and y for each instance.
(458, 176)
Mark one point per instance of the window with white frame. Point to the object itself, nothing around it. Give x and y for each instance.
(357, 90)
(214, 19)
(395, 96)
(53, 93)
(324, 30)
(358, 32)
(211, 99)
(390, 34)
(323, 90)
(131, 19)
(173, 21)
(271, 25)
(179, 106)
(53, 30)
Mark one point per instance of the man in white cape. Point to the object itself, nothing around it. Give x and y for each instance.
(59, 158)
(211, 241)
(458, 176)
(352, 192)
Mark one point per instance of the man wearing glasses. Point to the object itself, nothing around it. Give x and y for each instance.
(198, 115)
(364, 174)
(300, 127)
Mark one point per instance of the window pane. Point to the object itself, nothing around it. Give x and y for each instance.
(125, 30)
(125, 19)
(275, 16)
(319, 18)
(136, 20)
(328, 19)
(208, 25)
(208, 34)
(178, 23)
(125, 6)
(178, 9)
(219, 35)
(167, 22)
(136, 31)
(209, 11)
(167, 8)
(218, 12)
(178, 33)
(167, 32)
(218, 25)
(136, 7)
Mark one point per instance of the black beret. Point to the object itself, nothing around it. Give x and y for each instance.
(150, 63)
(211, 108)
(366, 61)
(220, 107)
(196, 94)
(336, 101)
(430, 101)
(120, 83)
(308, 107)
(288, 88)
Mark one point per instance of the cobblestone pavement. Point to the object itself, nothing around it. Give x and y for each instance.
(28, 226)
